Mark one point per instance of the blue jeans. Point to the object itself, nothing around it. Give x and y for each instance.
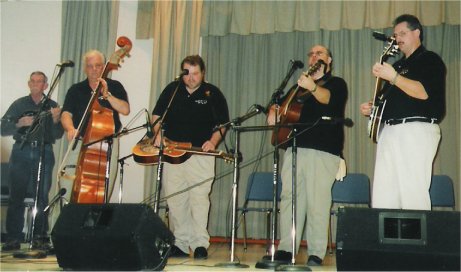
(23, 170)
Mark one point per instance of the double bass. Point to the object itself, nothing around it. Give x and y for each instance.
(91, 182)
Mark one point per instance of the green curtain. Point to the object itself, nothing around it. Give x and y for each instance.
(85, 25)
(247, 45)
(250, 68)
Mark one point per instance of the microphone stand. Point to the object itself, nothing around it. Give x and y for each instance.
(110, 139)
(39, 254)
(272, 263)
(159, 177)
(292, 266)
(235, 126)
(122, 163)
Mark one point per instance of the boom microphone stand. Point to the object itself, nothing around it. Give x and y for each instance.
(275, 100)
(235, 126)
(292, 266)
(39, 254)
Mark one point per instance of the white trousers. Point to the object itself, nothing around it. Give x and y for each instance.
(189, 210)
(316, 171)
(403, 169)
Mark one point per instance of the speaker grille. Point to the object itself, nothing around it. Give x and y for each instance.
(110, 237)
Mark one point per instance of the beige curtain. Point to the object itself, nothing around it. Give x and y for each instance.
(221, 18)
(175, 27)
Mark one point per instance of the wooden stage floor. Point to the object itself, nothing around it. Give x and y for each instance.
(217, 253)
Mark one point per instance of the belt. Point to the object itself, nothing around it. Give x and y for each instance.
(392, 122)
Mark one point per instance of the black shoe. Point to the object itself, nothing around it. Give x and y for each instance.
(200, 253)
(43, 245)
(176, 252)
(314, 261)
(11, 245)
(280, 255)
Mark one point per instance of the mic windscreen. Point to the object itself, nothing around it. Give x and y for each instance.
(298, 64)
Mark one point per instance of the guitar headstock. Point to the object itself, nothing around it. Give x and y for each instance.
(390, 50)
(312, 69)
(117, 57)
(228, 158)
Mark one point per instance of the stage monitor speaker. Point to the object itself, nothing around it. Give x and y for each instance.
(111, 237)
(386, 239)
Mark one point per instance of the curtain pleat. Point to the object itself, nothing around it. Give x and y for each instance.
(247, 46)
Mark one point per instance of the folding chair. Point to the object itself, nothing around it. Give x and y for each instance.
(354, 189)
(442, 192)
(259, 189)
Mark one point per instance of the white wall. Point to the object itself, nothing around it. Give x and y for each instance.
(135, 76)
(31, 40)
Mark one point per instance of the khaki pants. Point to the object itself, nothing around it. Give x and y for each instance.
(189, 210)
(316, 171)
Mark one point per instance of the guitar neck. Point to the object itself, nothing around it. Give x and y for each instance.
(378, 87)
(198, 150)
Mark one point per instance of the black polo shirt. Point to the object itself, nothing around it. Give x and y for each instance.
(192, 117)
(79, 95)
(427, 68)
(325, 136)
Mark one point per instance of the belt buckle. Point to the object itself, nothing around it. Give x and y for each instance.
(34, 144)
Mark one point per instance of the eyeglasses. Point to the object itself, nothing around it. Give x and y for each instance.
(401, 34)
(318, 54)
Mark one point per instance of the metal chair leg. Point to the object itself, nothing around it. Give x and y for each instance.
(268, 231)
(244, 232)
(330, 236)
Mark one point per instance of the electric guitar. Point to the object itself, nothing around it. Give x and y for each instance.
(379, 102)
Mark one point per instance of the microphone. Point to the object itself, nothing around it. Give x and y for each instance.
(55, 198)
(149, 133)
(338, 120)
(297, 63)
(260, 108)
(67, 63)
(184, 72)
(381, 36)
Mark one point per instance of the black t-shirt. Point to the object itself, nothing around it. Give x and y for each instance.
(192, 117)
(79, 95)
(325, 136)
(427, 68)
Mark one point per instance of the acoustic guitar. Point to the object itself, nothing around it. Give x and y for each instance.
(146, 153)
(290, 110)
(379, 101)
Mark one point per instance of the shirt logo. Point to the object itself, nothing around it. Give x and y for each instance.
(201, 101)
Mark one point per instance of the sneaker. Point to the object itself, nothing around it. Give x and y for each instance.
(11, 245)
(280, 256)
(177, 252)
(314, 261)
(200, 253)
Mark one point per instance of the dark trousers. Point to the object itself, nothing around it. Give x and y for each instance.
(23, 170)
